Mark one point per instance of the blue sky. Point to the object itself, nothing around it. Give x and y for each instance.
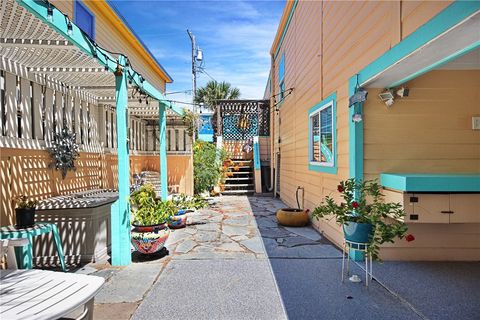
(235, 36)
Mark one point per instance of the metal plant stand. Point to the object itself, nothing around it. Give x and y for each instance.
(362, 247)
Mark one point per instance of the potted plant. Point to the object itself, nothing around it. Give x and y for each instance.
(150, 218)
(364, 215)
(24, 211)
(185, 205)
(148, 213)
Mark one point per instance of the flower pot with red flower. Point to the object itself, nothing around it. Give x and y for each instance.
(364, 214)
(24, 212)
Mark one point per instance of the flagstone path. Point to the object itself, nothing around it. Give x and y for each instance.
(233, 261)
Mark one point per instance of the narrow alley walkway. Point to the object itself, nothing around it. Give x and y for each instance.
(234, 262)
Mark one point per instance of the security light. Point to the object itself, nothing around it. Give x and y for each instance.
(387, 97)
(402, 92)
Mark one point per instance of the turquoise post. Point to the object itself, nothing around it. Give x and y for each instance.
(120, 214)
(162, 118)
(355, 150)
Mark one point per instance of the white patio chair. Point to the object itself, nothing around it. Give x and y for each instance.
(40, 294)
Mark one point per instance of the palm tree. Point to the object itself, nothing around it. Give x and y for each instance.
(214, 91)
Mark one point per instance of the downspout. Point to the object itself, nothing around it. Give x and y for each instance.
(272, 128)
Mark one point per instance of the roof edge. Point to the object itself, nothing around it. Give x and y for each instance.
(283, 25)
(114, 16)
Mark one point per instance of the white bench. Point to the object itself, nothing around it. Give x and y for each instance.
(40, 294)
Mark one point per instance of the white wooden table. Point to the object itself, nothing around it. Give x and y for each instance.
(40, 294)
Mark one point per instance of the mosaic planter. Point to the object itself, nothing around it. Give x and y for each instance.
(150, 242)
(179, 220)
(153, 228)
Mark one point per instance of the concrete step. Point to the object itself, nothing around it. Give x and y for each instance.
(243, 185)
(241, 172)
(238, 192)
(239, 179)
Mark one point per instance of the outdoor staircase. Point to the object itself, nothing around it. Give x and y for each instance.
(153, 178)
(242, 179)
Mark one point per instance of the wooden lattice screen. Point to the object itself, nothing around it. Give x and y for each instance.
(243, 119)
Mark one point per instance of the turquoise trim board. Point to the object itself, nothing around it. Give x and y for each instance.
(82, 41)
(414, 182)
(446, 19)
(256, 153)
(284, 32)
(317, 167)
(120, 219)
(163, 151)
(355, 134)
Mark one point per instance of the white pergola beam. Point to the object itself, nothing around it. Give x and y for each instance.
(36, 43)
(65, 69)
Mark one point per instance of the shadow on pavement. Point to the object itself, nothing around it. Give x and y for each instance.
(307, 270)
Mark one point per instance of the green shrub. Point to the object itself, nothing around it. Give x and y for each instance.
(182, 201)
(207, 164)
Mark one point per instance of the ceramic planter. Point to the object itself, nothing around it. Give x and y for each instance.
(150, 242)
(24, 217)
(358, 232)
(151, 228)
(292, 217)
(179, 220)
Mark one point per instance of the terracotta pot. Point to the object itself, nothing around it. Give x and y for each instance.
(292, 217)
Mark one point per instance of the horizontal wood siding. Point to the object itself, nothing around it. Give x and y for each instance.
(327, 43)
(430, 131)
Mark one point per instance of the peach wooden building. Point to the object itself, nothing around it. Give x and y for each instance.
(61, 65)
(424, 148)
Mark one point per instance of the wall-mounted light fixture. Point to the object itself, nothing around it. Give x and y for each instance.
(402, 92)
(387, 97)
(357, 117)
(69, 26)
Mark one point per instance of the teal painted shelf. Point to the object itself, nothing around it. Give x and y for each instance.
(431, 182)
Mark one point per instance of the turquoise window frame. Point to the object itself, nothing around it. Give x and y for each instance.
(321, 166)
(75, 18)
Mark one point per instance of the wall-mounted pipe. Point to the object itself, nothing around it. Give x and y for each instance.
(303, 197)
